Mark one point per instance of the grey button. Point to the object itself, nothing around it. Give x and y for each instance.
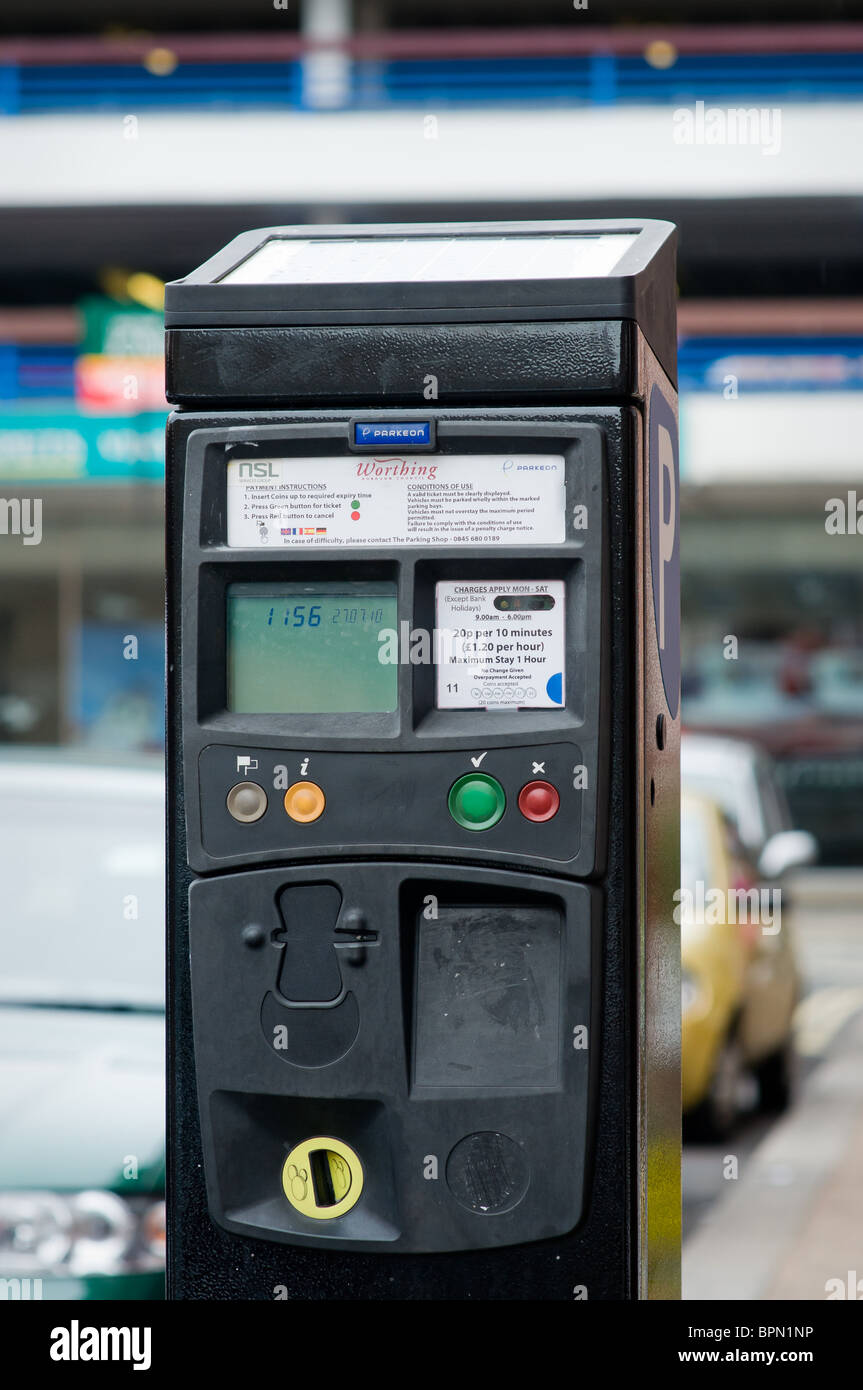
(247, 801)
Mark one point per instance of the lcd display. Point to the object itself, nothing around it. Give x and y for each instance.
(310, 648)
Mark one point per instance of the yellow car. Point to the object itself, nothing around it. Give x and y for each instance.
(739, 981)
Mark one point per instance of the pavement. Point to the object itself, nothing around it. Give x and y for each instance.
(787, 1222)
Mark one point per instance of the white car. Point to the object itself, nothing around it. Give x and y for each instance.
(740, 778)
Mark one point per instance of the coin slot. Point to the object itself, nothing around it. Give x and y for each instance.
(331, 1177)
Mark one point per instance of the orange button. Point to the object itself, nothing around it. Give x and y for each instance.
(304, 801)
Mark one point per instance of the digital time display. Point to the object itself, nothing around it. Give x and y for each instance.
(310, 648)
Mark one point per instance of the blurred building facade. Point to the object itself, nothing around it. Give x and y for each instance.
(131, 157)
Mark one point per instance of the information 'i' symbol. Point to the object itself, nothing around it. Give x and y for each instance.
(355, 509)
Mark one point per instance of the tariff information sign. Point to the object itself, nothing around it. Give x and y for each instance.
(500, 644)
(419, 499)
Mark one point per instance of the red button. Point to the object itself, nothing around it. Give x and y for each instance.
(538, 801)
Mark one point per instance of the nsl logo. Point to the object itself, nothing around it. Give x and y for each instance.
(258, 470)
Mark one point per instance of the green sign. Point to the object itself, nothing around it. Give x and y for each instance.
(121, 330)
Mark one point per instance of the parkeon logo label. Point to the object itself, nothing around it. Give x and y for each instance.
(415, 432)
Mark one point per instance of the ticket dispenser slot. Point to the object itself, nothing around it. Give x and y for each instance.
(421, 1027)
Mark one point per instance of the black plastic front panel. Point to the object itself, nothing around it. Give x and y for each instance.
(571, 1225)
(465, 363)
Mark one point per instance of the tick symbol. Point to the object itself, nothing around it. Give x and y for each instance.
(538, 767)
(476, 761)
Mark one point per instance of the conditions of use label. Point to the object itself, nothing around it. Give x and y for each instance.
(420, 499)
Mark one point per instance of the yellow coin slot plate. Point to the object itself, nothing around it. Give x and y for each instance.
(322, 1178)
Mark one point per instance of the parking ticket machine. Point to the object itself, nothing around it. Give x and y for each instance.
(423, 692)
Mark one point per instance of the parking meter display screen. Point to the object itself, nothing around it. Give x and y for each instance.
(310, 648)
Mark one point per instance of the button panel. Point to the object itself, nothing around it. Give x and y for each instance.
(473, 800)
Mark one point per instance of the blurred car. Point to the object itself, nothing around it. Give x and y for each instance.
(739, 980)
(741, 779)
(81, 1028)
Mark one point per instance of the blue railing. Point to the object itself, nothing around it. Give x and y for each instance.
(127, 87)
(772, 364)
(594, 80)
(604, 79)
(34, 372)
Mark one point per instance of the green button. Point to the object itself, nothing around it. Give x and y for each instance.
(476, 802)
